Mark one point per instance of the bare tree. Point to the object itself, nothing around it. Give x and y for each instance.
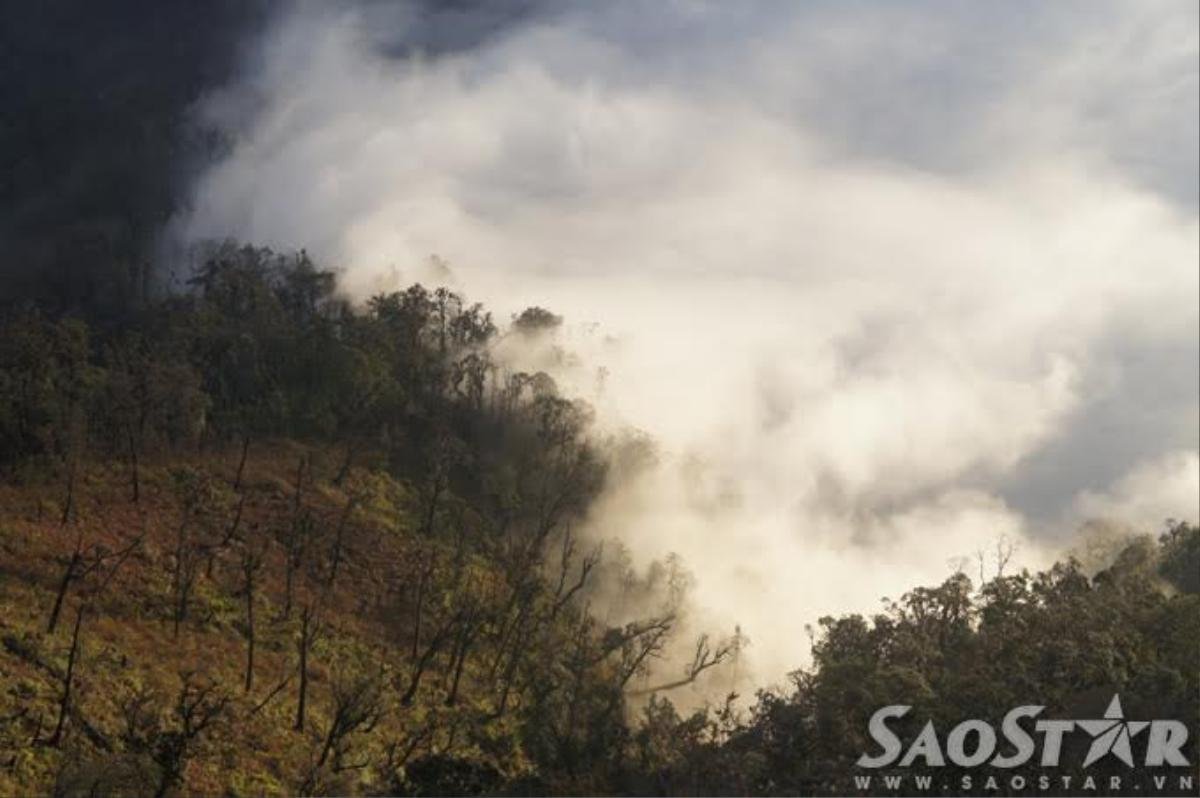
(184, 572)
(204, 504)
(339, 547)
(310, 629)
(472, 618)
(421, 664)
(704, 658)
(445, 453)
(426, 567)
(212, 551)
(357, 709)
(241, 469)
(64, 702)
(252, 562)
(398, 753)
(562, 593)
(518, 637)
(637, 643)
(297, 538)
(69, 498)
(84, 562)
(197, 708)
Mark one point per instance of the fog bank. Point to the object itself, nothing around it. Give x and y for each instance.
(885, 284)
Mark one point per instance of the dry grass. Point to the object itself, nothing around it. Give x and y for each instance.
(127, 642)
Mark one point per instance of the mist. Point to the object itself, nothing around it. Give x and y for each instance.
(879, 322)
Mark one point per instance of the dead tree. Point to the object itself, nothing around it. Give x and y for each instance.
(468, 630)
(427, 566)
(294, 554)
(310, 629)
(237, 480)
(357, 709)
(421, 664)
(185, 570)
(562, 593)
(227, 540)
(446, 453)
(338, 552)
(64, 702)
(705, 657)
(69, 498)
(197, 708)
(298, 496)
(398, 755)
(637, 643)
(201, 515)
(276, 690)
(520, 600)
(82, 563)
(70, 574)
(514, 661)
(296, 541)
(252, 561)
(513, 637)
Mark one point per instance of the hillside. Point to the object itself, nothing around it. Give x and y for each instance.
(367, 579)
(408, 577)
(261, 541)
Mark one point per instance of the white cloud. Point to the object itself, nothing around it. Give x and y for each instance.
(863, 266)
(1151, 493)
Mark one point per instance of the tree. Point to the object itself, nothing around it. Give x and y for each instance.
(199, 707)
(535, 320)
(64, 703)
(310, 630)
(204, 505)
(148, 394)
(83, 563)
(1181, 556)
(356, 710)
(252, 562)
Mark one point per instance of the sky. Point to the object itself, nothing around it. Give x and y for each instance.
(891, 287)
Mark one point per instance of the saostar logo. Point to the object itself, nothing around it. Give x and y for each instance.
(974, 742)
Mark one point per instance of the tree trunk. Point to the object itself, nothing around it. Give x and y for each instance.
(249, 631)
(422, 664)
(64, 704)
(416, 638)
(431, 512)
(344, 471)
(305, 640)
(468, 637)
(69, 502)
(133, 468)
(336, 558)
(177, 577)
(237, 482)
(63, 586)
(289, 573)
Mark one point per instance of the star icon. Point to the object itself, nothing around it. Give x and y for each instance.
(1112, 734)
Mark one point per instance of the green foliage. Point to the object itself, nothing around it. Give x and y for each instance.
(1180, 563)
(1054, 638)
(47, 383)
